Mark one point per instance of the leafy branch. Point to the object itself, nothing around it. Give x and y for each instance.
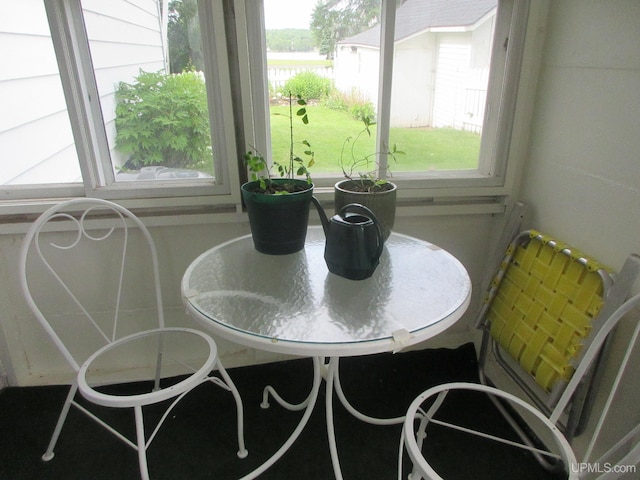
(353, 164)
(296, 165)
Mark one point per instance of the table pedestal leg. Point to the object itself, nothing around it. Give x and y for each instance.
(333, 381)
(308, 405)
(360, 416)
(330, 373)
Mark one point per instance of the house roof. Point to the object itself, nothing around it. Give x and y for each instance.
(415, 16)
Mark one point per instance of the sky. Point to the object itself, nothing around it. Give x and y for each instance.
(288, 13)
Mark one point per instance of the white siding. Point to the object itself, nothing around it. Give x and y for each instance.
(36, 142)
(125, 37)
(452, 67)
(34, 126)
(413, 82)
(356, 71)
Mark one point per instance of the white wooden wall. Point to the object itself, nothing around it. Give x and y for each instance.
(582, 175)
(35, 136)
(125, 37)
(34, 126)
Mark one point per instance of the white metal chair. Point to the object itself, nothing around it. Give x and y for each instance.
(626, 451)
(426, 405)
(90, 304)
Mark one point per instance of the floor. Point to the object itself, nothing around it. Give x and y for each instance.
(197, 441)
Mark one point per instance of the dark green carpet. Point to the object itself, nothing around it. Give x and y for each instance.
(198, 440)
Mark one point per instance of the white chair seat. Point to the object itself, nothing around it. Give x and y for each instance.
(124, 401)
(413, 439)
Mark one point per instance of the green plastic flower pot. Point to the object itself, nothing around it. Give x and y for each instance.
(278, 222)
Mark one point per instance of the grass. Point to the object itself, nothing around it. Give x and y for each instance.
(425, 148)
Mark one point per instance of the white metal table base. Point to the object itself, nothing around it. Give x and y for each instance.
(330, 373)
(308, 404)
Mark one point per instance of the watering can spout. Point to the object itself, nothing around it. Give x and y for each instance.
(323, 216)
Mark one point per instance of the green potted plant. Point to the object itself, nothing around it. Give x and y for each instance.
(362, 185)
(278, 207)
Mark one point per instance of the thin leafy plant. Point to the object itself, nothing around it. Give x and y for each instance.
(363, 170)
(296, 165)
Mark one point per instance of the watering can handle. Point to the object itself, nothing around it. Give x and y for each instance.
(367, 211)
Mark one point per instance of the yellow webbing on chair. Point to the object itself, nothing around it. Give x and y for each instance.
(544, 307)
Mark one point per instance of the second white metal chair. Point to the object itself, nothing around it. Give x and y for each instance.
(83, 299)
(423, 411)
(626, 452)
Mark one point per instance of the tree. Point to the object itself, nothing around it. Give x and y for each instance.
(289, 40)
(183, 35)
(335, 20)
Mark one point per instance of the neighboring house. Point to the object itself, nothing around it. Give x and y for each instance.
(35, 135)
(441, 67)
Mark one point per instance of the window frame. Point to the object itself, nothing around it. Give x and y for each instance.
(229, 32)
(494, 176)
(72, 48)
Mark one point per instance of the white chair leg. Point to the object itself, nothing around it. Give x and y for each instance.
(142, 443)
(48, 455)
(242, 451)
(421, 432)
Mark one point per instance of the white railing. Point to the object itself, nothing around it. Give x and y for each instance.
(475, 96)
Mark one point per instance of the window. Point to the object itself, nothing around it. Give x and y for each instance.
(443, 112)
(108, 53)
(154, 111)
(140, 129)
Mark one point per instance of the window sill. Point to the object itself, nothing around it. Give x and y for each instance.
(16, 217)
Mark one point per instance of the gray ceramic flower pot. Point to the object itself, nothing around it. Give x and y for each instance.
(382, 203)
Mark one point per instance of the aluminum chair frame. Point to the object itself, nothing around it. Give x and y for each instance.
(80, 213)
(629, 443)
(612, 295)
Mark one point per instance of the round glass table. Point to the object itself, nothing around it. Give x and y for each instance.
(291, 304)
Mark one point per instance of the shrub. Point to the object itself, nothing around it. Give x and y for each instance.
(362, 111)
(163, 120)
(354, 103)
(336, 101)
(307, 85)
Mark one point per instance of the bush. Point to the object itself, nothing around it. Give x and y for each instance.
(336, 100)
(308, 85)
(163, 120)
(354, 103)
(362, 111)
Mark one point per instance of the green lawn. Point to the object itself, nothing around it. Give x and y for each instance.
(425, 148)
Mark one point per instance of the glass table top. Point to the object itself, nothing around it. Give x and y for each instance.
(293, 304)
